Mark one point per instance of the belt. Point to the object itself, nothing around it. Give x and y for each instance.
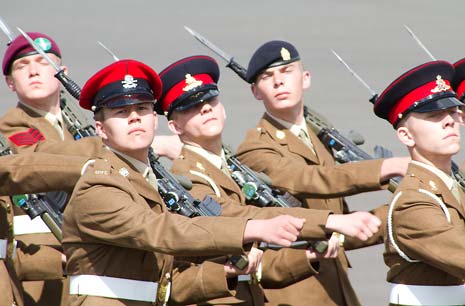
(24, 225)
(112, 287)
(427, 295)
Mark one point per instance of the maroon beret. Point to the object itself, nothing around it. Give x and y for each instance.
(20, 47)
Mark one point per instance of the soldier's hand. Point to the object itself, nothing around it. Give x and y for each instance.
(281, 230)
(361, 224)
(255, 258)
(331, 251)
(168, 146)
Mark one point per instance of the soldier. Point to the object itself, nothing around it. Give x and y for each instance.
(37, 119)
(36, 124)
(284, 147)
(190, 101)
(116, 228)
(426, 215)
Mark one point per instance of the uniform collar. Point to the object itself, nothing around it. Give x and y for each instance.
(213, 158)
(294, 128)
(446, 178)
(53, 119)
(137, 164)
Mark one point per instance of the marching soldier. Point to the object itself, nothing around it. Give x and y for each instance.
(426, 215)
(458, 81)
(37, 119)
(116, 228)
(191, 102)
(284, 147)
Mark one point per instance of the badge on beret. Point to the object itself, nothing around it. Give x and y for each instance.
(191, 83)
(124, 172)
(440, 85)
(43, 43)
(280, 134)
(285, 54)
(129, 81)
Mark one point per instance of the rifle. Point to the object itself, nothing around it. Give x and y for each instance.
(256, 187)
(180, 201)
(36, 204)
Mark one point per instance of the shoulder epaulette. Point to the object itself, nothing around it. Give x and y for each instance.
(27, 138)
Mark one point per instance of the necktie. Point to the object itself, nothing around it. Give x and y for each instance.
(59, 128)
(455, 189)
(151, 178)
(304, 137)
(225, 168)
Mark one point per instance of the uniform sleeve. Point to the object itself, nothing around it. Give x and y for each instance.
(291, 172)
(285, 267)
(104, 210)
(194, 283)
(38, 262)
(39, 172)
(422, 231)
(314, 227)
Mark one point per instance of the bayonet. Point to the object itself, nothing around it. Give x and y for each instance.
(108, 51)
(419, 42)
(374, 95)
(235, 66)
(11, 36)
(69, 84)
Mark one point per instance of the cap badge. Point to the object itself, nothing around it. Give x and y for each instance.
(285, 54)
(129, 82)
(280, 134)
(43, 43)
(124, 172)
(440, 85)
(191, 83)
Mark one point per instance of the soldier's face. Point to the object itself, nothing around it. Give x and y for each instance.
(432, 135)
(33, 79)
(129, 129)
(281, 88)
(200, 123)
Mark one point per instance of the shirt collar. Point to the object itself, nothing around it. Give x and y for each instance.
(47, 115)
(216, 160)
(140, 166)
(446, 178)
(294, 128)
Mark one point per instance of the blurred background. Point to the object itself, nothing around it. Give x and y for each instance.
(369, 35)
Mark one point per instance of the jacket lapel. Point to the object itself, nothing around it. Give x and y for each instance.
(201, 164)
(437, 186)
(284, 137)
(136, 179)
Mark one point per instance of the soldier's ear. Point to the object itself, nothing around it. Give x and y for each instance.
(306, 79)
(65, 69)
(175, 128)
(405, 136)
(100, 130)
(10, 83)
(256, 93)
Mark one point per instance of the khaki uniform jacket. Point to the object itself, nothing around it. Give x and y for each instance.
(26, 129)
(279, 268)
(116, 225)
(319, 184)
(437, 243)
(10, 287)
